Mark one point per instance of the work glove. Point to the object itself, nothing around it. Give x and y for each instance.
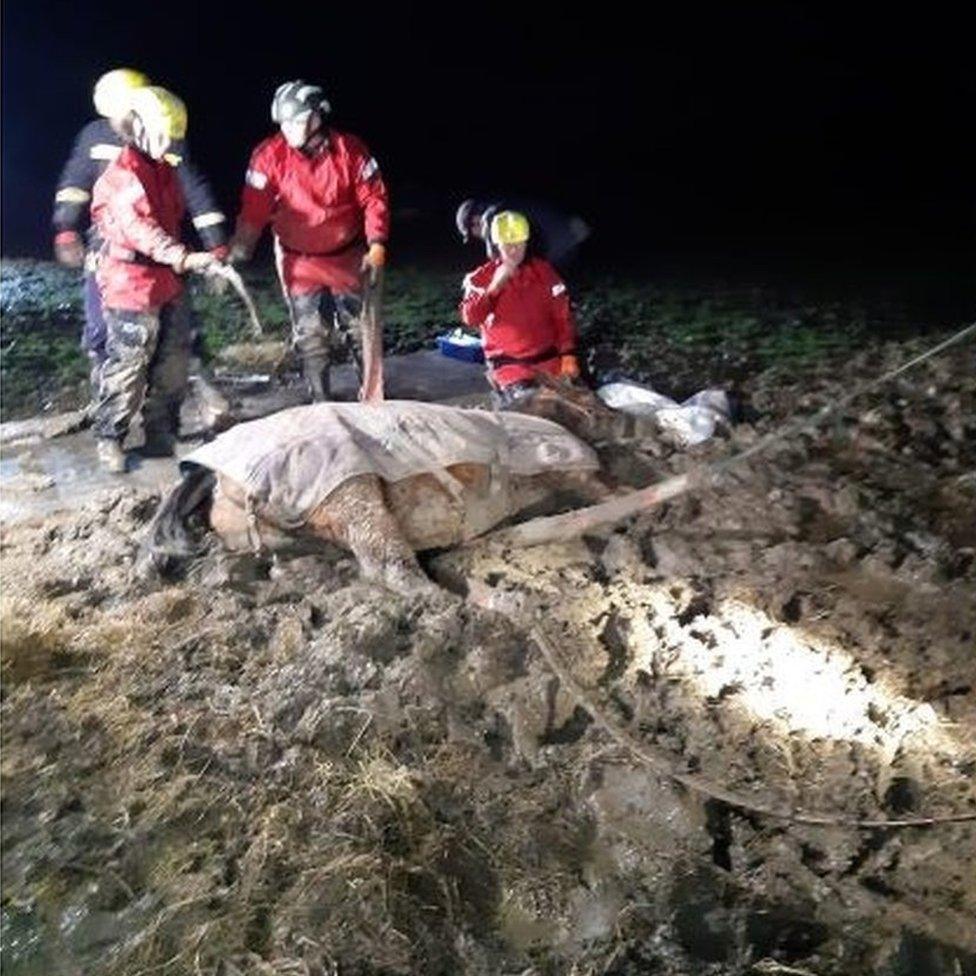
(198, 261)
(569, 367)
(68, 249)
(375, 257)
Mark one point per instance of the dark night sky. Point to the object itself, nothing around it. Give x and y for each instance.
(774, 122)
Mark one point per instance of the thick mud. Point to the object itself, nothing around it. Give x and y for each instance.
(269, 767)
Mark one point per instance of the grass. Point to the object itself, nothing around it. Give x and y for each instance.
(678, 335)
(41, 312)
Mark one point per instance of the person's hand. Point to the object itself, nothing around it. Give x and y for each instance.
(502, 273)
(242, 244)
(199, 261)
(217, 284)
(69, 250)
(239, 254)
(375, 257)
(569, 367)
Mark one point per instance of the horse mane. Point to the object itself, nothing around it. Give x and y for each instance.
(169, 541)
(581, 411)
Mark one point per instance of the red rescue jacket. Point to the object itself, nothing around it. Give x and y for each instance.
(324, 209)
(137, 206)
(528, 320)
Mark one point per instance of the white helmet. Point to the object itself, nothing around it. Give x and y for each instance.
(114, 90)
(294, 99)
(158, 119)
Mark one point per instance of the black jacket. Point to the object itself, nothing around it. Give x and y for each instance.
(556, 236)
(95, 147)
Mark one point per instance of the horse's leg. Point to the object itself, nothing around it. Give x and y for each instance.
(589, 485)
(229, 519)
(356, 517)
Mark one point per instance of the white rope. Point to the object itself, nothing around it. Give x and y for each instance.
(699, 784)
(230, 274)
(544, 529)
(806, 423)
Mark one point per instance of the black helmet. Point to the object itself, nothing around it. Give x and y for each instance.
(295, 98)
(468, 210)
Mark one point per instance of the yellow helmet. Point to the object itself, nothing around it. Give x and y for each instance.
(161, 112)
(114, 89)
(509, 227)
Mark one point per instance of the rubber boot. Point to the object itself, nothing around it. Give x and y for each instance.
(316, 370)
(111, 457)
(215, 410)
(158, 443)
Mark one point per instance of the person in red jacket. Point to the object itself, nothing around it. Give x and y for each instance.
(522, 308)
(322, 192)
(96, 145)
(137, 208)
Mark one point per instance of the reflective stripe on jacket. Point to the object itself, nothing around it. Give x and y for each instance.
(97, 145)
(327, 205)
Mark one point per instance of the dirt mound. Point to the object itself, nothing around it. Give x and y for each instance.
(271, 768)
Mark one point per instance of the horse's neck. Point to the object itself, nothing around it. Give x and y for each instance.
(526, 490)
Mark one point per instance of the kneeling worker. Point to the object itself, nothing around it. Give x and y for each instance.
(521, 307)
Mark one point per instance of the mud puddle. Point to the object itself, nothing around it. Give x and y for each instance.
(269, 767)
(49, 463)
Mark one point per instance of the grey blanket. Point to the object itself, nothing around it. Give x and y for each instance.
(288, 463)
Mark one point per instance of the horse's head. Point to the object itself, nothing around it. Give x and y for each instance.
(583, 413)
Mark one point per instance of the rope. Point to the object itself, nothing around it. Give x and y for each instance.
(230, 274)
(698, 784)
(541, 530)
(806, 423)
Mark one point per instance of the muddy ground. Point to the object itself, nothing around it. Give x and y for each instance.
(269, 767)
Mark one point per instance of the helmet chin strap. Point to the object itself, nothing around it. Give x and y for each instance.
(153, 144)
(316, 141)
(317, 136)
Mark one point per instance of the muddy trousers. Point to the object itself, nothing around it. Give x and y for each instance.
(320, 322)
(215, 408)
(146, 360)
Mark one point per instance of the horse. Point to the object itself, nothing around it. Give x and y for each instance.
(383, 480)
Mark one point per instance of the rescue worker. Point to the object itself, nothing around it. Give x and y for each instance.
(137, 209)
(556, 235)
(98, 143)
(323, 194)
(522, 308)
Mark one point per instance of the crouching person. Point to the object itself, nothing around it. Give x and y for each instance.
(521, 307)
(137, 207)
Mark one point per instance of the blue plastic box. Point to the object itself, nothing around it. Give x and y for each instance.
(461, 345)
